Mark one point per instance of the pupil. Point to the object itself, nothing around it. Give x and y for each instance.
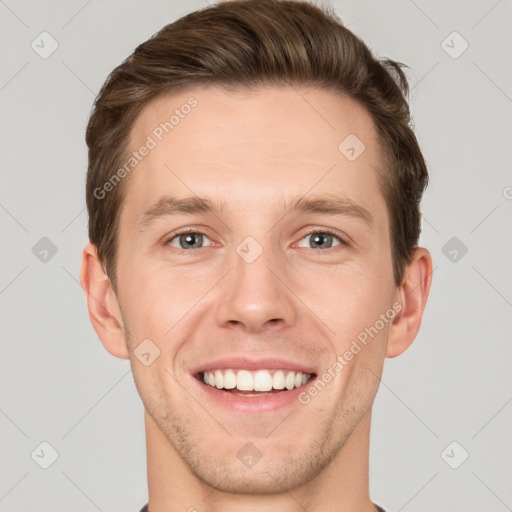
(188, 240)
(319, 238)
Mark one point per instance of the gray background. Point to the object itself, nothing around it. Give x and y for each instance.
(60, 386)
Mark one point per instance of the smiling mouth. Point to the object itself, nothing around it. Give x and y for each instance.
(254, 383)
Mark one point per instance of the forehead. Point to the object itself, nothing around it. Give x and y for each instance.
(259, 143)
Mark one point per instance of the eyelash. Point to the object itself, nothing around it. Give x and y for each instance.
(323, 231)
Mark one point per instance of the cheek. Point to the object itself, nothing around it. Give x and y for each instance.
(156, 298)
(348, 300)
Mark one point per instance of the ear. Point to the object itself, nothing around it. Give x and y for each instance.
(412, 295)
(102, 304)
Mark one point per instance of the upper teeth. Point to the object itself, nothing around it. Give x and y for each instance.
(260, 380)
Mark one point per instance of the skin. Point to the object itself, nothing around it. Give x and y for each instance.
(255, 150)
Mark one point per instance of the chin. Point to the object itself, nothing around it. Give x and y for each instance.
(271, 478)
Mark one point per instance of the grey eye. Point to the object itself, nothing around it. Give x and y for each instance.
(321, 240)
(189, 240)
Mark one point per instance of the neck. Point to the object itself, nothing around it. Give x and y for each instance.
(342, 486)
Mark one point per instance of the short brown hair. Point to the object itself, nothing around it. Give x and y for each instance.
(246, 43)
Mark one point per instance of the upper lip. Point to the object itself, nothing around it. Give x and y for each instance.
(246, 363)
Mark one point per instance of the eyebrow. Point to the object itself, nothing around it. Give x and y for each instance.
(170, 205)
(326, 204)
(332, 204)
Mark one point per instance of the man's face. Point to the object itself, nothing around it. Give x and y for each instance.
(257, 284)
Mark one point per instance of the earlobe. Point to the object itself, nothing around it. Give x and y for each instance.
(102, 304)
(412, 296)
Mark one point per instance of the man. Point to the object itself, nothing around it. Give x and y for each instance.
(253, 194)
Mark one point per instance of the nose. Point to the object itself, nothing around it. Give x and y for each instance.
(256, 296)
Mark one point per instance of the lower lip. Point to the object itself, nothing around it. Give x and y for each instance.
(256, 404)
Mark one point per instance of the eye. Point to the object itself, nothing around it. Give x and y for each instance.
(188, 240)
(322, 240)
